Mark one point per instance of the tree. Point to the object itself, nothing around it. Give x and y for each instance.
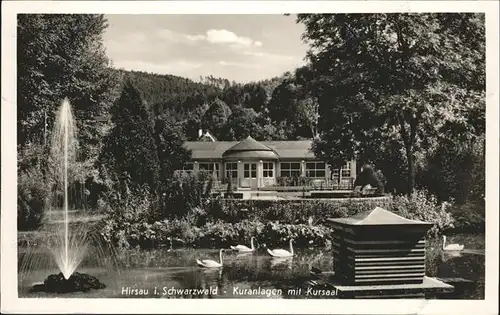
(59, 56)
(216, 117)
(240, 124)
(403, 77)
(171, 151)
(455, 170)
(283, 100)
(129, 148)
(307, 114)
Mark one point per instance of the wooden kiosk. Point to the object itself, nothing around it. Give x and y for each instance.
(378, 254)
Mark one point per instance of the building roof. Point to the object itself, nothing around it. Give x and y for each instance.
(250, 148)
(378, 216)
(249, 144)
(284, 149)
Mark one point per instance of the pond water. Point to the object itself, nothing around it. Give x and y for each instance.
(166, 274)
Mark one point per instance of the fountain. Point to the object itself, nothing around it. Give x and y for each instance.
(68, 246)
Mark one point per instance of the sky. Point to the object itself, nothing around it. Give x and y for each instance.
(242, 48)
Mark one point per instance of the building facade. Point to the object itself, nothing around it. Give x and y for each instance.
(252, 164)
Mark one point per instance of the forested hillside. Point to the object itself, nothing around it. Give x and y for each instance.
(229, 110)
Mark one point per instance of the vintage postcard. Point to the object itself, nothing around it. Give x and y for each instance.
(259, 157)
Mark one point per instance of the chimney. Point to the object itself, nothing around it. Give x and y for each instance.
(200, 133)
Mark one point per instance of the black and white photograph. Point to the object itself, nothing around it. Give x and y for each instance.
(250, 156)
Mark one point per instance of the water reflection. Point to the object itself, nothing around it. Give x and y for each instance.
(252, 275)
(281, 262)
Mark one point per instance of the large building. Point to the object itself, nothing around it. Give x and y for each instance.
(253, 164)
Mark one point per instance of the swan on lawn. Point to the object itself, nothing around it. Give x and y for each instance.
(243, 248)
(281, 252)
(451, 247)
(209, 263)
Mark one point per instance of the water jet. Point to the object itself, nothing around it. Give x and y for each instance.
(67, 244)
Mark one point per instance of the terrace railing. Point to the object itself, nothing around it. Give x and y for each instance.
(308, 183)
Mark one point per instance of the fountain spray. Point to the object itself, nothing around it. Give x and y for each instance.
(70, 247)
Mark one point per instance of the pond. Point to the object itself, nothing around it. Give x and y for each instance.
(167, 274)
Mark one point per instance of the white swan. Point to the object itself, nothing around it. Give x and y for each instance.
(209, 263)
(281, 252)
(451, 247)
(243, 248)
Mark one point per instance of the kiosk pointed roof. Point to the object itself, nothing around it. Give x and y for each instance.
(378, 216)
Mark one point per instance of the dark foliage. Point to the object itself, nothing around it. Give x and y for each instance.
(367, 176)
(129, 148)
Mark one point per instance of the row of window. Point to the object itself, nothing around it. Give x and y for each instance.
(287, 169)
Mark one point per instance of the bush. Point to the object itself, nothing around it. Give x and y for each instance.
(213, 234)
(218, 234)
(31, 199)
(303, 235)
(421, 205)
(469, 216)
(292, 211)
(185, 192)
(131, 204)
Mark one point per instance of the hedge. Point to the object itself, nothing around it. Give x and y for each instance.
(292, 211)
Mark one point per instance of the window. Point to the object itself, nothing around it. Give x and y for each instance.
(232, 170)
(250, 170)
(335, 173)
(268, 169)
(188, 167)
(210, 167)
(290, 169)
(315, 169)
(346, 170)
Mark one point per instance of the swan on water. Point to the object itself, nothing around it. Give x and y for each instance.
(451, 247)
(209, 263)
(281, 252)
(243, 248)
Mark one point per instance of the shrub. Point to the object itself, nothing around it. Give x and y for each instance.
(136, 204)
(249, 228)
(421, 205)
(469, 216)
(128, 211)
(213, 234)
(303, 235)
(186, 191)
(32, 198)
(217, 233)
(292, 211)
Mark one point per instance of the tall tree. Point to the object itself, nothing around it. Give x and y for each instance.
(171, 153)
(59, 56)
(129, 148)
(216, 117)
(404, 77)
